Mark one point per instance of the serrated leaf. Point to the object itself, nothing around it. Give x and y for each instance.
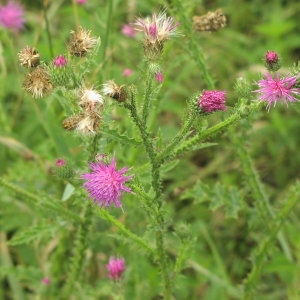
(117, 135)
(200, 193)
(33, 233)
(169, 166)
(68, 192)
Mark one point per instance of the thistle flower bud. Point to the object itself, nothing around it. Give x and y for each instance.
(272, 61)
(60, 61)
(63, 169)
(81, 42)
(114, 91)
(29, 57)
(211, 101)
(212, 21)
(37, 83)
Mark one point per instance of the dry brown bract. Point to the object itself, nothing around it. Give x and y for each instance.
(81, 42)
(212, 21)
(37, 83)
(29, 57)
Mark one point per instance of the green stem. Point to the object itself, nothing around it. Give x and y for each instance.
(156, 184)
(108, 28)
(258, 191)
(41, 201)
(107, 216)
(80, 246)
(178, 138)
(48, 30)
(147, 96)
(276, 225)
(192, 46)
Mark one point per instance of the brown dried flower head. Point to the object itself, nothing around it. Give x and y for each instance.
(37, 83)
(89, 98)
(212, 21)
(81, 42)
(114, 91)
(85, 123)
(29, 57)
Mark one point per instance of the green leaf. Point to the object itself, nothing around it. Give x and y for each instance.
(68, 192)
(33, 233)
(117, 135)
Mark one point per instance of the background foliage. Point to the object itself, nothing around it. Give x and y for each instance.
(207, 191)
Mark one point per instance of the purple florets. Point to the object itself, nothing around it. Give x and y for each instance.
(105, 183)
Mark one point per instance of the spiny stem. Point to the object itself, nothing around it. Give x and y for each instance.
(126, 232)
(45, 4)
(147, 96)
(214, 130)
(263, 248)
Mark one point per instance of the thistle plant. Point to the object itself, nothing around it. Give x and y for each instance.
(123, 164)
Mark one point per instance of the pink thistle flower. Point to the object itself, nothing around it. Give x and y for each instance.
(12, 16)
(159, 77)
(275, 89)
(81, 1)
(46, 281)
(60, 61)
(159, 28)
(115, 267)
(60, 162)
(128, 30)
(271, 57)
(272, 61)
(211, 101)
(105, 183)
(127, 72)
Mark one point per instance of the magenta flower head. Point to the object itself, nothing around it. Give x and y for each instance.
(46, 281)
(105, 183)
(115, 267)
(159, 28)
(277, 89)
(127, 72)
(128, 30)
(81, 1)
(60, 61)
(12, 16)
(272, 61)
(156, 30)
(211, 101)
(159, 77)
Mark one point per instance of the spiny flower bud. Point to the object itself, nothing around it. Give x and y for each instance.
(81, 42)
(114, 91)
(37, 83)
(59, 71)
(272, 61)
(211, 101)
(60, 61)
(63, 169)
(29, 57)
(212, 21)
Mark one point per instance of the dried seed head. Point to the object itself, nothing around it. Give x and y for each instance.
(85, 123)
(29, 57)
(89, 98)
(70, 123)
(114, 91)
(81, 42)
(212, 21)
(37, 83)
